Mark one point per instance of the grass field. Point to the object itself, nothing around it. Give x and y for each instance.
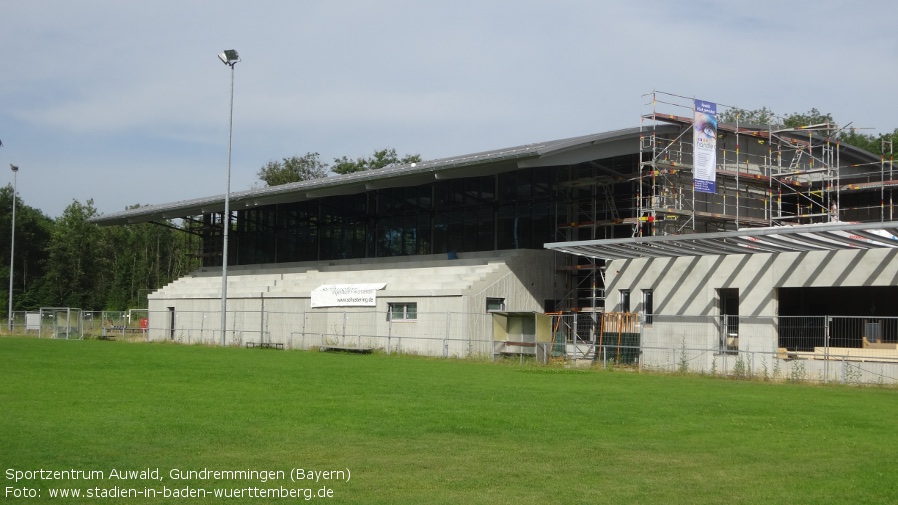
(416, 430)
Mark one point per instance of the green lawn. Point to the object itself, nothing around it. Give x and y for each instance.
(417, 430)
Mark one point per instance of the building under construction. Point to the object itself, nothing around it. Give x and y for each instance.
(766, 176)
(572, 226)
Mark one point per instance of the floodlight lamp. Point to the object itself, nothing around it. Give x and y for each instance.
(14, 168)
(229, 57)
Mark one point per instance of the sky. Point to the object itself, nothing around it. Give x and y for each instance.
(126, 103)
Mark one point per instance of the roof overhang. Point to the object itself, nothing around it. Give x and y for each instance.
(798, 238)
(551, 153)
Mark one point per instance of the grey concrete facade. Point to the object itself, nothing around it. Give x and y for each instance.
(689, 287)
(272, 303)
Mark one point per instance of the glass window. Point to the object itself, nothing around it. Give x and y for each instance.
(508, 229)
(455, 233)
(495, 304)
(648, 305)
(543, 223)
(542, 184)
(485, 229)
(625, 300)
(402, 312)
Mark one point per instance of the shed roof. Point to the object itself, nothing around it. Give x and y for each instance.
(797, 238)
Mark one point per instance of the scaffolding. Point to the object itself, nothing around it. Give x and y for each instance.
(594, 206)
(766, 175)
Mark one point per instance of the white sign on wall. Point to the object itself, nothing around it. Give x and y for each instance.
(346, 295)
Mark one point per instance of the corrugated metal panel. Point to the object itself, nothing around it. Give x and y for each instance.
(798, 238)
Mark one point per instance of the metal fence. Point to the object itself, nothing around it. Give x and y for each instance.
(49, 322)
(824, 349)
(447, 334)
(74, 324)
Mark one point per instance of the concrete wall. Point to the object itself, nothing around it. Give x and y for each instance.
(688, 287)
(271, 303)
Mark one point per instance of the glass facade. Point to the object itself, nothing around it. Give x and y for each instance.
(512, 210)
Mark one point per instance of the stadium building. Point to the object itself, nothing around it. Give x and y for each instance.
(682, 232)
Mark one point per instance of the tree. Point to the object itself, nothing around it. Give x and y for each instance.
(107, 268)
(308, 167)
(760, 116)
(846, 135)
(79, 259)
(884, 144)
(143, 257)
(765, 116)
(32, 238)
(380, 159)
(293, 169)
(809, 118)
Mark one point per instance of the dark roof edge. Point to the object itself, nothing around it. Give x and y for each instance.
(193, 207)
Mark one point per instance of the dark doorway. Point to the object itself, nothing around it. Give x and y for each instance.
(728, 304)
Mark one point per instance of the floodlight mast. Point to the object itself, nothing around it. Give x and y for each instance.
(12, 242)
(230, 58)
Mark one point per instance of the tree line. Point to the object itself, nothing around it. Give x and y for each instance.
(882, 144)
(68, 262)
(309, 166)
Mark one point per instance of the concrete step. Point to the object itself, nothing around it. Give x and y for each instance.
(402, 274)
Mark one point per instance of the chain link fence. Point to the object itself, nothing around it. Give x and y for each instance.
(446, 334)
(74, 324)
(820, 349)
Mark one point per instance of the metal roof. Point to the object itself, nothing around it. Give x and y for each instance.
(559, 152)
(797, 238)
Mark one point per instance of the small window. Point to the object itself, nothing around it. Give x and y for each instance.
(625, 300)
(648, 305)
(495, 304)
(402, 312)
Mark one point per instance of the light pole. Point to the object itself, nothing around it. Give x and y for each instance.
(12, 242)
(229, 58)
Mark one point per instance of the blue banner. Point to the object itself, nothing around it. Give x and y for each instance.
(704, 146)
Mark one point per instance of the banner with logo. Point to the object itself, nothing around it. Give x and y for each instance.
(704, 146)
(346, 295)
